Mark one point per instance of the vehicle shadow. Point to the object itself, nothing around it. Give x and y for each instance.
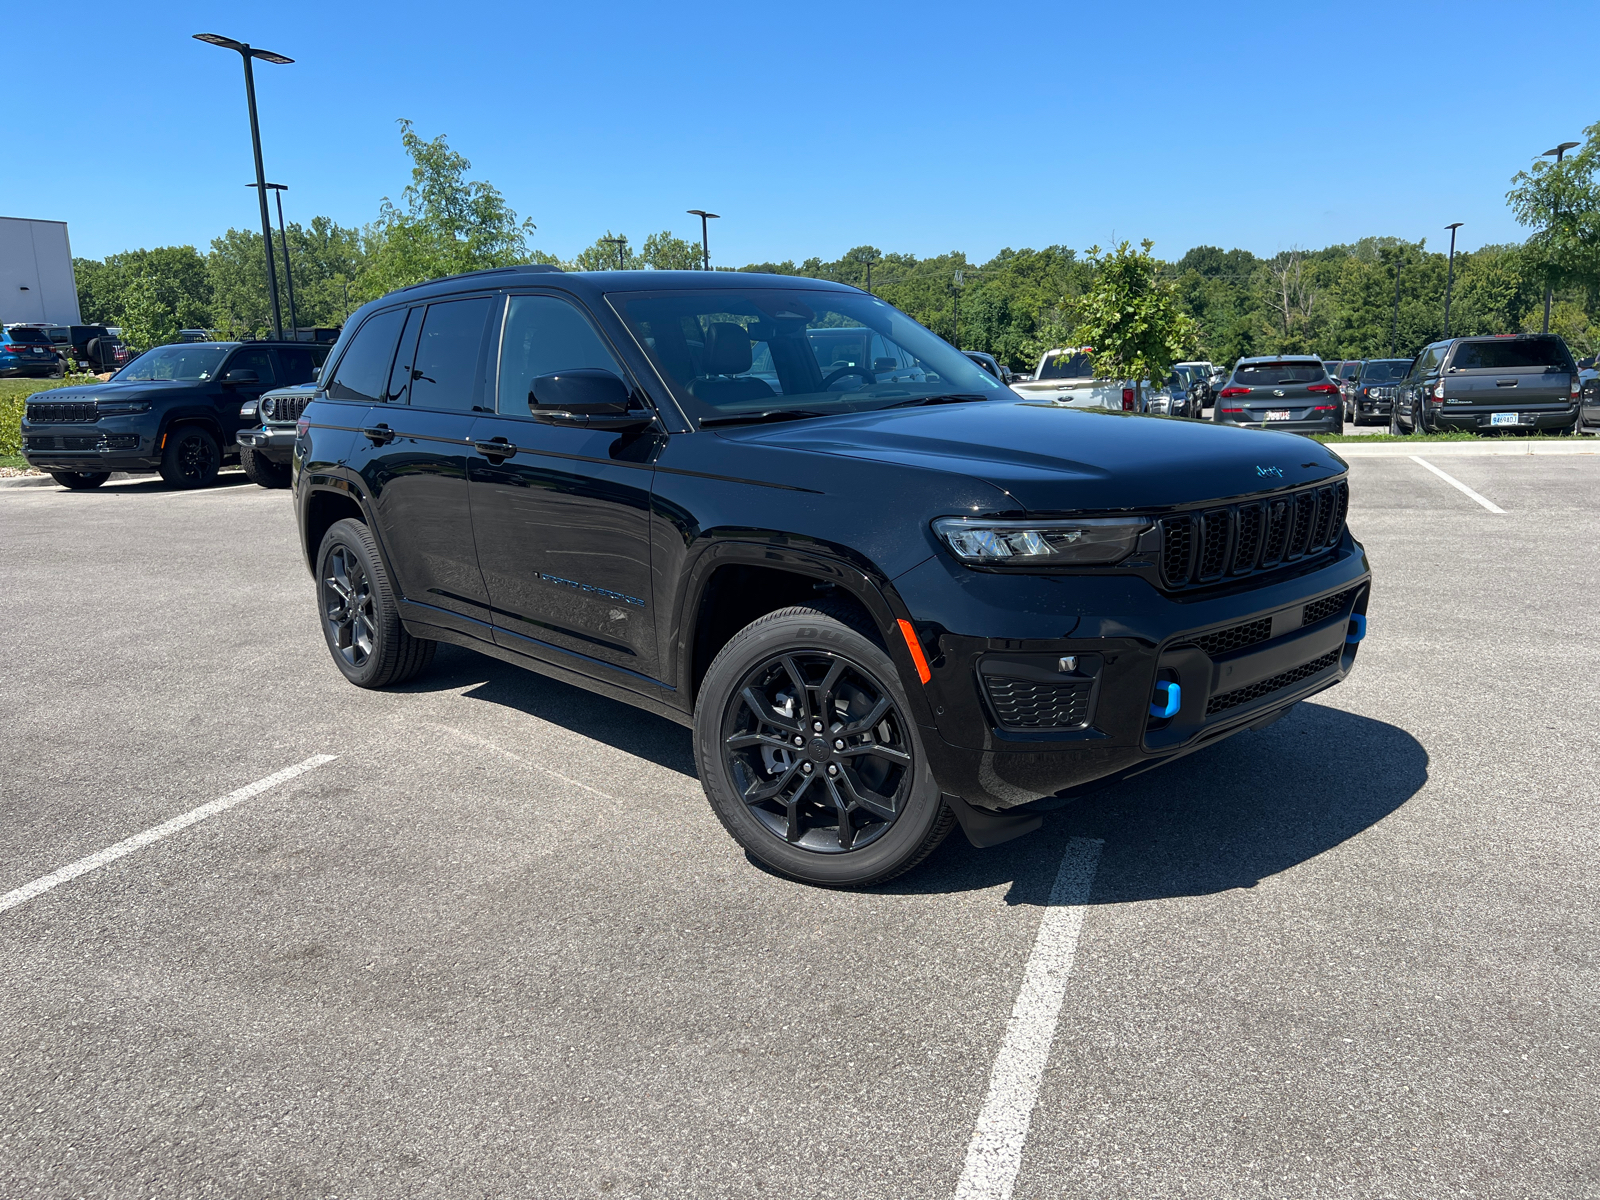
(1227, 817)
(619, 725)
(142, 484)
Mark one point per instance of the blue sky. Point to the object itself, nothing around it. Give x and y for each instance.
(918, 127)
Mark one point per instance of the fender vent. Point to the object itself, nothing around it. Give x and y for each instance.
(1026, 704)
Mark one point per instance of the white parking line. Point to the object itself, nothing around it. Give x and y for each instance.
(995, 1153)
(1458, 485)
(154, 834)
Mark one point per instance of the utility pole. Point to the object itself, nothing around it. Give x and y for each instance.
(278, 189)
(705, 239)
(1560, 152)
(1450, 276)
(956, 291)
(248, 52)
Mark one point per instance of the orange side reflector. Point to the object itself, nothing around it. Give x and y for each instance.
(915, 647)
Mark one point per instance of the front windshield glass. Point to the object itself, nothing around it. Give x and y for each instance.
(734, 351)
(175, 362)
(1386, 370)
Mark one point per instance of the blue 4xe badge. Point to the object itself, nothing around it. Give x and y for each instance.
(1263, 471)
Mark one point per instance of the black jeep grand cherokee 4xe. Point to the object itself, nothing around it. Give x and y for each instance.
(885, 593)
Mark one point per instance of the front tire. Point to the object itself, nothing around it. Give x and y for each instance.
(855, 803)
(262, 471)
(360, 619)
(191, 458)
(80, 481)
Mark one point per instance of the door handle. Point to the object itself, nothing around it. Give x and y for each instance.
(496, 447)
(1505, 383)
(380, 435)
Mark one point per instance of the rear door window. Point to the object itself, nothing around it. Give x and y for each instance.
(1428, 361)
(448, 371)
(364, 368)
(296, 363)
(259, 361)
(1541, 354)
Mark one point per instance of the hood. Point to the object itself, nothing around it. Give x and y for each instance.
(129, 390)
(1053, 459)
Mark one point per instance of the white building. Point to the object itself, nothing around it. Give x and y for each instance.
(36, 280)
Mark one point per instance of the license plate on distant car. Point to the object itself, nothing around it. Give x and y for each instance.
(1276, 414)
(1505, 418)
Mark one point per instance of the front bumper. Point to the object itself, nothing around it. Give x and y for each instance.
(1124, 636)
(88, 448)
(273, 442)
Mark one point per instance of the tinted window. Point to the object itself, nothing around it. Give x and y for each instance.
(545, 335)
(22, 334)
(259, 361)
(362, 371)
(1352, 370)
(1430, 359)
(1386, 371)
(446, 373)
(1512, 353)
(400, 377)
(1067, 366)
(297, 364)
(1265, 374)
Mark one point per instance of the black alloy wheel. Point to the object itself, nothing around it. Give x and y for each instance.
(807, 754)
(360, 618)
(818, 751)
(191, 458)
(80, 481)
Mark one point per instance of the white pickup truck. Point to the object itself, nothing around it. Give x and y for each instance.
(1066, 377)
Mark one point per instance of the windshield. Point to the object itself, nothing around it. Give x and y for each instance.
(731, 351)
(1385, 371)
(1068, 366)
(175, 362)
(1512, 353)
(1262, 374)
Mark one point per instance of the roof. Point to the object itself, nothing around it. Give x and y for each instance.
(1305, 358)
(599, 282)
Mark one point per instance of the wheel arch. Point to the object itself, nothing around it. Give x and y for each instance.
(732, 583)
(323, 507)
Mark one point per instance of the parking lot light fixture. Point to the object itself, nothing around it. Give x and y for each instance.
(1450, 273)
(705, 239)
(248, 52)
(1394, 336)
(618, 243)
(278, 189)
(1560, 153)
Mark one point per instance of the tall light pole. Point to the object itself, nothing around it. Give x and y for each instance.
(871, 262)
(1560, 152)
(278, 189)
(248, 52)
(619, 243)
(1450, 274)
(705, 240)
(1394, 336)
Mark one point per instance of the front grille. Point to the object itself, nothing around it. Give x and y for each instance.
(62, 412)
(1027, 704)
(1240, 539)
(1321, 610)
(62, 443)
(1266, 687)
(1224, 641)
(284, 408)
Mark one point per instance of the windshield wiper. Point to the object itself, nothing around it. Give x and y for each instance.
(761, 418)
(952, 398)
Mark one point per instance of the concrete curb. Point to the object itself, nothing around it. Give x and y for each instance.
(1462, 449)
(25, 480)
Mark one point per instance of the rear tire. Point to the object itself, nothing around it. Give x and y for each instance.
(191, 458)
(262, 471)
(360, 619)
(80, 481)
(800, 831)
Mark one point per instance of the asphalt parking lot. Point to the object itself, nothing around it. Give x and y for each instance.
(500, 946)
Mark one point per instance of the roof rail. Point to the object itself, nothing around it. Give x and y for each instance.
(523, 267)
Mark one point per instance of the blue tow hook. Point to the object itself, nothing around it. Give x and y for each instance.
(1170, 705)
(1358, 629)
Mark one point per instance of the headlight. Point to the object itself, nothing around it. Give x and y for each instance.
(269, 407)
(247, 410)
(1033, 544)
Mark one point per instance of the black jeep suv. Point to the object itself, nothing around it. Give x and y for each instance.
(174, 409)
(885, 592)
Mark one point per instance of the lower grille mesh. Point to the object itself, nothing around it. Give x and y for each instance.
(1028, 704)
(1321, 610)
(1266, 687)
(1236, 638)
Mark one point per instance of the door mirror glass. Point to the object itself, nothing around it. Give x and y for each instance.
(584, 390)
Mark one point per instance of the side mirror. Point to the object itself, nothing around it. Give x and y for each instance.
(316, 374)
(586, 391)
(242, 375)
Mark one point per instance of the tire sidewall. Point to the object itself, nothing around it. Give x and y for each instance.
(348, 533)
(171, 468)
(755, 644)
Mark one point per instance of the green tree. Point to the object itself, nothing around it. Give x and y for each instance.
(171, 279)
(326, 259)
(1132, 317)
(1560, 202)
(445, 225)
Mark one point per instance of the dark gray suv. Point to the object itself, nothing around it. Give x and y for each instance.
(1522, 383)
(1290, 392)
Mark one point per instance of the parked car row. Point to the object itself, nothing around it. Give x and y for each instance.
(42, 350)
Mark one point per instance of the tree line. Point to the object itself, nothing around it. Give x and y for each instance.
(1377, 297)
